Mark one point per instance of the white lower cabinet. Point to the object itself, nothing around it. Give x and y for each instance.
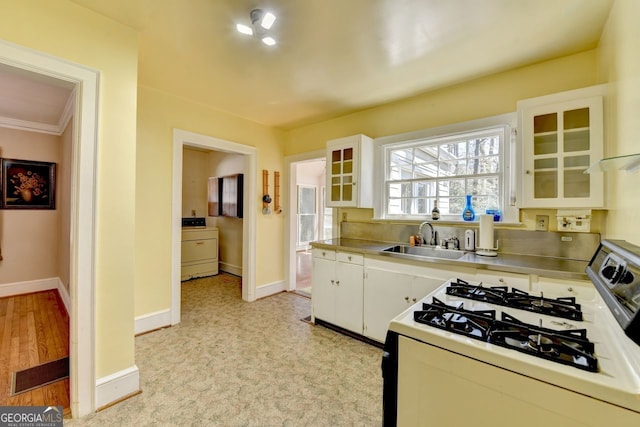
(392, 287)
(336, 292)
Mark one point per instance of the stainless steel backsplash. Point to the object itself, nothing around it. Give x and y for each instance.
(578, 246)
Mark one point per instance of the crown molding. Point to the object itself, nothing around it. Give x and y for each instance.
(57, 129)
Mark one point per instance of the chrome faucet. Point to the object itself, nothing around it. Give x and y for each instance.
(431, 239)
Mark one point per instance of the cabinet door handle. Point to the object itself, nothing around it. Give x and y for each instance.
(324, 253)
(199, 243)
(333, 282)
(337, 282)
(414, 299)
(349, 257)
(528, 172)
(406, 299)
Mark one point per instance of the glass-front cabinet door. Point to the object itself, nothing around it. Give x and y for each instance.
(560, 141)
(349, 181)
(342, 174)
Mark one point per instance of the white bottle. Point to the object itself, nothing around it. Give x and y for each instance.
(469, 240)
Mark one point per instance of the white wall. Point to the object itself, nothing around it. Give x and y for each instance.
(194, 182)
(311, 173)
(229, 229)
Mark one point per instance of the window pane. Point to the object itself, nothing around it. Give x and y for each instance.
(483, 165)
(403, 157)
(426, 170)
(453, 151)
(453, 167)
(452, 187)
(483, 186)
(427, 153)
(429, 169)
(484, 146)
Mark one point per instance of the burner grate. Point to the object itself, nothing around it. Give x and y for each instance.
(565, 307)
(569, 347)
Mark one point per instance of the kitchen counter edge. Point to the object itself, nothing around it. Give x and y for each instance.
(558, 268)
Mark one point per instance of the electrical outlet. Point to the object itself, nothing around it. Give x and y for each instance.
(344, 217)
(542, 222)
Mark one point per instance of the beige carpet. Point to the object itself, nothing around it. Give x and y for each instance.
(232, 363)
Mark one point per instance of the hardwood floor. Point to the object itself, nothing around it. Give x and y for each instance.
(34, 328)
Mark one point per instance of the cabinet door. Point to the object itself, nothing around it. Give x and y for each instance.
(348, 296)
(342, 175)
(386, 294)
(560, 142)
(421, 286)
(323, 289)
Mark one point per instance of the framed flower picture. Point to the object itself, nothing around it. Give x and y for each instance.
(27, 184)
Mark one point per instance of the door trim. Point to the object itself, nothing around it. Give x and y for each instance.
(182, 138)
(290, 230)
(82, 354)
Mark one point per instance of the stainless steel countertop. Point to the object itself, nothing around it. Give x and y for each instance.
(544, 266)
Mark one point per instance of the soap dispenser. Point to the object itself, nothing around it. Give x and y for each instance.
(469, 240)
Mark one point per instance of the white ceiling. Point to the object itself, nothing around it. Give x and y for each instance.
(339, 56)
(33, 101)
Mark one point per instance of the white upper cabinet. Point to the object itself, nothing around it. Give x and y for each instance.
(350, 172)
(562, 135)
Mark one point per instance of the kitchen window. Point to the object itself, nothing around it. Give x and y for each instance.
(445, 165)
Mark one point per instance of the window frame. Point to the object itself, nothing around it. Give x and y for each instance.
(504, 124)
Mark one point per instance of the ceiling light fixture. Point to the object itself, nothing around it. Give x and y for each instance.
(261, 22)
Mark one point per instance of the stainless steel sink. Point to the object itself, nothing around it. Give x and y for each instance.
(426, 251)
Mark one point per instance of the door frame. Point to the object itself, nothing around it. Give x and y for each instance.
(82, 352)
(181, 139)
(290, 230)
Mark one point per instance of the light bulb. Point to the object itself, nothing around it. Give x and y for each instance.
(267, 20)
(269, 41)
(244, 29)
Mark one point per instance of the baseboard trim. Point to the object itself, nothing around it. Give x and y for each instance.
(18, 288)
(230, 268)
(270, 289)
(152, 321)
(64, 295)
(117, 386)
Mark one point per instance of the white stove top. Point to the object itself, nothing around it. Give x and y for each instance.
(618, 379)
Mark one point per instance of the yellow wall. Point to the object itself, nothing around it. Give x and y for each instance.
(65, 30)
(484, 97)
(158, 114)
(620, 66)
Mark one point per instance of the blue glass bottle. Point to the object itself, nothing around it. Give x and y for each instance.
(468, 214)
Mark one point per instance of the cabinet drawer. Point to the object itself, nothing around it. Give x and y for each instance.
(199, 234)
(195, 250)
(324, 254)
(350, 258)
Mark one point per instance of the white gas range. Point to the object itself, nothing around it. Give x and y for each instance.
(553, 355)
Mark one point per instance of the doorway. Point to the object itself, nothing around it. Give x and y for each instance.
(311, 221)
(182, 139)
(82, 213)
